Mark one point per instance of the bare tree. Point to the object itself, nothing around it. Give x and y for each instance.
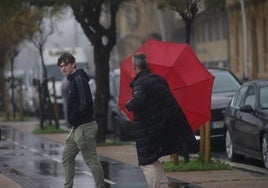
(17, 22)
(189, 9)
(102, 35)
(46, 27)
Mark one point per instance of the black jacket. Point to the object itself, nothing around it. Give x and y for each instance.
(160, 126)
(79, 100)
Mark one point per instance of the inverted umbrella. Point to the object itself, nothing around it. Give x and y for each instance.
(189, 81)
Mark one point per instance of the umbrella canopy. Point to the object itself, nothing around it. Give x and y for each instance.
(189, 81)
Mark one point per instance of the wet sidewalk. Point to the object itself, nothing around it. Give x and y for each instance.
(234, 178)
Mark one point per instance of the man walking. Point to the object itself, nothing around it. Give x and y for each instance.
(160, 126)
(84, 127)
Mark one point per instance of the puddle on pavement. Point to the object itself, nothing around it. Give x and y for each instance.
(24, 138)
(47, 167)
(16, 143)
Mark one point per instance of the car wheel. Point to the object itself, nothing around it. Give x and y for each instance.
(265, 149)
(229, 147)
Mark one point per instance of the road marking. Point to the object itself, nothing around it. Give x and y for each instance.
(16, 143)
(46, 155)
(109, 181)
(105, 180)
(33, 150)
(87, 173)
(57, 160)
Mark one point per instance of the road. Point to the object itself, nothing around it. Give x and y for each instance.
(35, 161)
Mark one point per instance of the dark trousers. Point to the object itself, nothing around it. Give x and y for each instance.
(185, 152)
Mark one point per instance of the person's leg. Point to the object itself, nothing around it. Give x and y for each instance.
(161, 174)
(185, 152)
(155, 175)
(68, 159)
(85, 138)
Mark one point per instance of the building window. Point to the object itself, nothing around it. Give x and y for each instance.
(199, 33)
(214, 29)
(207, 30)
(132, 18)
(224, 25)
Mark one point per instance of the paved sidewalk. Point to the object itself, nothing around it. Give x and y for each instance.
(6, 182)
(127, 154)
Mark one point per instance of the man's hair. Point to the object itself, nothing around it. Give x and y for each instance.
(140, 60)
(66, 58)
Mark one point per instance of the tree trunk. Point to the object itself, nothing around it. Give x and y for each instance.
(188, 25)
(41, 105)
(88, 14)
(12, 89)
(46, 104)
(101, 60)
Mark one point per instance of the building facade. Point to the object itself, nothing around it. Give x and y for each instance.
(221, 38)
(139, 20)
(211, 38)
(248, 39)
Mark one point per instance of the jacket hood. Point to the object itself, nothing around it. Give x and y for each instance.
(80, 72)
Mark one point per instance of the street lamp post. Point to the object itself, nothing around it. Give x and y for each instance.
(244, 23)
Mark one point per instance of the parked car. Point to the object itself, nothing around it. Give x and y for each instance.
(224, 87)
(246, 121)
(118, 122)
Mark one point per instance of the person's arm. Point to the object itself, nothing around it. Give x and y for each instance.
(138, 98)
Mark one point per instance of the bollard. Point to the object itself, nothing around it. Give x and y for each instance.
(202, 140)
(207, 142)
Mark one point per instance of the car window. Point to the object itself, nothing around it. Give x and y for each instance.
(239, 97)
(54, 71)
(224, 82)
(250, 98)
(264, 97)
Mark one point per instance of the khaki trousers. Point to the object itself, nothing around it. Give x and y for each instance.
(155, 175)
(82, 139)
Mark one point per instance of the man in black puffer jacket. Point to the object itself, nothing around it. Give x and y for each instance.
(80, 116)
(160, 126)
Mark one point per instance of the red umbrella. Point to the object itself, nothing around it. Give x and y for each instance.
(189, 81)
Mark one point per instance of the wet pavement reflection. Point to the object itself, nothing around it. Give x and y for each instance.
(39, 159)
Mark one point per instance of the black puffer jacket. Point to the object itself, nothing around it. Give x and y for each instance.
(79, 100)
(160, 126)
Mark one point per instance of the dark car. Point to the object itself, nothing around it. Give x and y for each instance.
(118, 122)
(224, 87)
(246, 121)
